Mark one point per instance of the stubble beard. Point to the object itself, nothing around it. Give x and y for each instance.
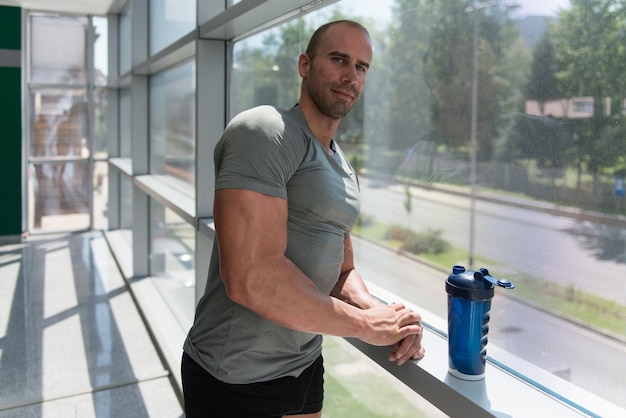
(326, 104)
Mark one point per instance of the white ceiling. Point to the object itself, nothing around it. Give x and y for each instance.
(93, 7)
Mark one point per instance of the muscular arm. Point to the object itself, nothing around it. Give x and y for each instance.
(251, 231)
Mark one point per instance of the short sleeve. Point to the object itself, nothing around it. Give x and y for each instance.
(260, 150)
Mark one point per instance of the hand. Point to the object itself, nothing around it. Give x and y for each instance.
(410, 348)
(390, 325)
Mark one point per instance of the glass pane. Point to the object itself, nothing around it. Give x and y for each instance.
(101, 126)
(101, 46)
(100, 194)
(526, 181)
(125, 40)
(126, 212)
(172, 260)
(59, 123)
(58, 193)
(172, 124)
(169, 21)
(263, 77)
(125, 123)
(58, 54)
(126, 205)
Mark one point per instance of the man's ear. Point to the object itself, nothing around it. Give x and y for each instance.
(304, 64)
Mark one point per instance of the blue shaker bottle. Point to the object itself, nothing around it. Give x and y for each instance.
(469, 303)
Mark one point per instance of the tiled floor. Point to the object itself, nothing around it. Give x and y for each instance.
(72, 342)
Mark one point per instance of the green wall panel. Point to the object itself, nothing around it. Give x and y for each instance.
(11, 123)
(11, 155)
(10, 27)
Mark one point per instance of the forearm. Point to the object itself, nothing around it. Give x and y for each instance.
(352, 289)
(280, 292)
(291, 300)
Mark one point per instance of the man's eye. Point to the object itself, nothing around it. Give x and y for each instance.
(338, 60)
(361, 68)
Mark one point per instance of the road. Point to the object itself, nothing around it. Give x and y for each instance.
(589, 360)
(587, 256)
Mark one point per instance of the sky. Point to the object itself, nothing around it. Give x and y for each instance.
(542, 8)
(527, 7)
(373, 8)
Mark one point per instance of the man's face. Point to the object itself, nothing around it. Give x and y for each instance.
(335, 77)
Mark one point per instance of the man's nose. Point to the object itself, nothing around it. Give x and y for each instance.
(350, 75)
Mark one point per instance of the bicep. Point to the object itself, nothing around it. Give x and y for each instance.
(251, 228)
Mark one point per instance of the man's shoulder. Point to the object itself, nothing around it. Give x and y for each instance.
(264, 115)
(270, 122)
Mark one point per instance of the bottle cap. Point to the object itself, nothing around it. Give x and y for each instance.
(463, 284)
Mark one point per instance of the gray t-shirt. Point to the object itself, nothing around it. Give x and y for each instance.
(272, 151)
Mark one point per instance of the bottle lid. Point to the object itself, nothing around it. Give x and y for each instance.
(462, 284)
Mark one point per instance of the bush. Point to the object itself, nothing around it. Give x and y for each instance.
(429, 242)
(398, 233)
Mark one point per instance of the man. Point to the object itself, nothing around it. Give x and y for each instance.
(286, 199)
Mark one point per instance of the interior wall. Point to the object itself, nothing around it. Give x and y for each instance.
(10, 120)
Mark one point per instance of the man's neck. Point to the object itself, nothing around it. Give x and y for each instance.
(323, 127)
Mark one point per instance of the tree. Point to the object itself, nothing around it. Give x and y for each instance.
(590, 49)
(542, 85)
(543, 138)
(449, 67)
(409, 94)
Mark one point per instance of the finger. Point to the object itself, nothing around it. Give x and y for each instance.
(416, 352)
(410, 317)
(397, 307)
(418, 355)
(412, 328)
(409, 348)
(406, 349)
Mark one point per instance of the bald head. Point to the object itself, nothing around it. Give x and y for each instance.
(318, 35)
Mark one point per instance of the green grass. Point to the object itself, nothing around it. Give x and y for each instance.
(581, 306)
(362, 392)
(590, 309)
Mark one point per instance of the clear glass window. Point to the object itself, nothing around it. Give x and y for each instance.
(125, 133)
(101, 194)
(172, 124)
(126, 204)
(59, 127)
(101, 126)
(67, 117)
(125, 39)
(58, 195)
(101, 46)
(172, 263)
(503, 182)
(57, 49)
(169, 21)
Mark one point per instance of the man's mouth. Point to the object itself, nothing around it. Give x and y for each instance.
(346, 94)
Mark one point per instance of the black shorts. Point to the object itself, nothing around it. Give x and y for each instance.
(206, 396)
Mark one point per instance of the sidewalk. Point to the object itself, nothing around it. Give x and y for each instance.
(72, 342)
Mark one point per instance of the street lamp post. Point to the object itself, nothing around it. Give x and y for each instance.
(473, 139)
(475, 8)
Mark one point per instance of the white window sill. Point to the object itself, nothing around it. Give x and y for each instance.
(523, 391)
